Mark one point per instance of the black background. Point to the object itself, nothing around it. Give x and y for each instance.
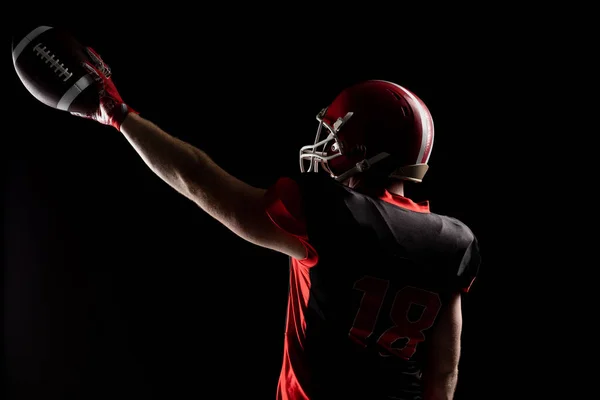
(116, 286)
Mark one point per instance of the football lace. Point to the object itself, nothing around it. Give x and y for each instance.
(53, 62)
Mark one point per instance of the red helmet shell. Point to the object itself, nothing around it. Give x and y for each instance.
(386, 118)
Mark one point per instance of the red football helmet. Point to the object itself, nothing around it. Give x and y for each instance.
(374, 125)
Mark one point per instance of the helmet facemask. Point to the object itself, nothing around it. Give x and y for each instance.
(323, 150)
(319, 154)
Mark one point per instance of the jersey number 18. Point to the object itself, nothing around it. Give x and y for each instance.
(374, 292)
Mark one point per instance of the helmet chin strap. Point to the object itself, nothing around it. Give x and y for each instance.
(362, 166)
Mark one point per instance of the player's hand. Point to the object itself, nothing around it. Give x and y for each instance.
(112, 110)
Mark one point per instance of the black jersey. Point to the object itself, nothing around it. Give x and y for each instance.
(377, 274)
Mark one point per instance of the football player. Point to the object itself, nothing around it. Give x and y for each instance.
(383, 321)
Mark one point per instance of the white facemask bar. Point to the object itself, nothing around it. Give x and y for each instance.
(316, 153)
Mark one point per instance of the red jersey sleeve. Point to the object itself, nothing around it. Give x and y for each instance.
(283, 205)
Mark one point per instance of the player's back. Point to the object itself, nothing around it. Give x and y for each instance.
(385, 270)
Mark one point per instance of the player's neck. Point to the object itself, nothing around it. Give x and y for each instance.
(396, 188)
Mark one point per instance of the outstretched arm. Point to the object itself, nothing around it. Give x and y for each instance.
(190, 171)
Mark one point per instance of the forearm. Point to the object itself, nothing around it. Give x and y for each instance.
(440, 386)
(174, 161)
(184, 167)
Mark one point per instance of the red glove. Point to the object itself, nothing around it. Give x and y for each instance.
(112, 110)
